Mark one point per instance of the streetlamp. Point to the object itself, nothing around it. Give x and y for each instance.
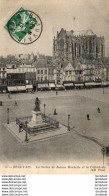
(68, 122)
(107, 151)
(26, 136)
(103, 84)
(44, 109)
(103, 151)
(7, 115)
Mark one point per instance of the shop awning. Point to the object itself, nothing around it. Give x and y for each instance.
(12, 88)
(42, 85)
(59, 86)
(92, 84)
(21, 88)
(52, 85)
(68, 84)
(29, 86)
(16, 88)
(79, 84)
(104, 83)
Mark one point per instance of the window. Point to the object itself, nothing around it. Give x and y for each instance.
(62, 44)
(38, 71)
(45, 77)
(45, 71)
(70, 72)
(41, 78)
(41, 71)
(80, 72)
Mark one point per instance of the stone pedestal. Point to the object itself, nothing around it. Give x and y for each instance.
(36, 120)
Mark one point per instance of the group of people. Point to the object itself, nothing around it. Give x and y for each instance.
(98, 110)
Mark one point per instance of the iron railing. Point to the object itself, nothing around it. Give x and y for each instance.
(21, 122)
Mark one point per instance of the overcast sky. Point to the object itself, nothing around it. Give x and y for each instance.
(55, 14)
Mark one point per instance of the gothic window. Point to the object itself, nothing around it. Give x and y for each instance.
(75, 49)
(72, 50)
(61, 44)
(90, 46)
(67, 46)
(79, 50)
(102, 51)
(96, 51)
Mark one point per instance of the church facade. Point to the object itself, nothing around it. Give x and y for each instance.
(84, 44)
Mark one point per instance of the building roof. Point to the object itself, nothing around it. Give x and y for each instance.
(88, 32)
(43, 63)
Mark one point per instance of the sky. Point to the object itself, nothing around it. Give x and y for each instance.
(55, 14)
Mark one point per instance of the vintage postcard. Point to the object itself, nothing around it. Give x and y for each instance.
(54, 87)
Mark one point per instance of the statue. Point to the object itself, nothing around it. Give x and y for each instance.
(37, 104)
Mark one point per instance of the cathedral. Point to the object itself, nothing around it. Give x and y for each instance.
(83, 44)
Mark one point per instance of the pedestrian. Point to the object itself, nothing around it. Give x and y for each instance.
(9, 96)
(15, 102)
(55, 113)
(88, 117)
(56, 92)
(98, 109)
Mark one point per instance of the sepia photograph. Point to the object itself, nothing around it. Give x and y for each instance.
(54, 86)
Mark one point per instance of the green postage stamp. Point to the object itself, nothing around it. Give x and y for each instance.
(24, 26)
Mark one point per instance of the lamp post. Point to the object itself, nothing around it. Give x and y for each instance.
(103, 151)
(26, 136)
(7, 115)
(68, 122)
(44, 109)
(107, 151)
(103, 83)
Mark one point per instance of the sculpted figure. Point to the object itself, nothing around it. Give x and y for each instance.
(37, 104)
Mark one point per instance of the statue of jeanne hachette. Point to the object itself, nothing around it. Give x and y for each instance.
(37, 104)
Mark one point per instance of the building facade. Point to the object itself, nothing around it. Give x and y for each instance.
(22, 75)
(84, 44)
(3, 76)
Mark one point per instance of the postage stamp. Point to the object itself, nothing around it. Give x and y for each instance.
(25, 27)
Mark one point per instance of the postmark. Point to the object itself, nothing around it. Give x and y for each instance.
(25, 26)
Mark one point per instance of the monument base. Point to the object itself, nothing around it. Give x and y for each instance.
(37, 123)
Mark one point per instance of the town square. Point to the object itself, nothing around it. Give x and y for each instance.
(83, 142)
